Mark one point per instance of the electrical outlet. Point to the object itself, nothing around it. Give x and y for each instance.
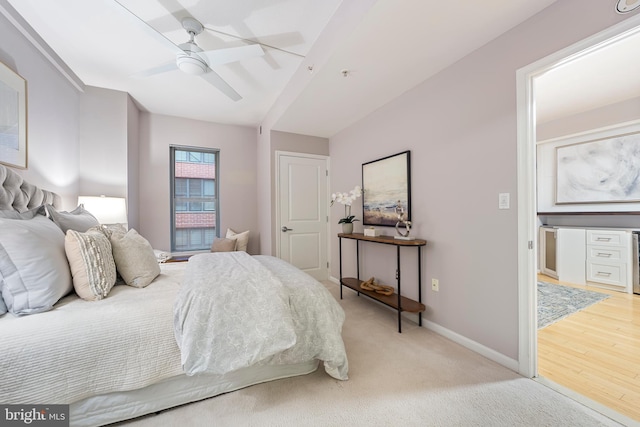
(435, 285)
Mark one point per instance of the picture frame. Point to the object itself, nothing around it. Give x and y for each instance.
(386, 185)
(599, 171)
(13, 118)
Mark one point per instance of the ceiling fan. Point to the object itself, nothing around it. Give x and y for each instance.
(192, 59)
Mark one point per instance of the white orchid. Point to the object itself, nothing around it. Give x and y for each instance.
(347, 199)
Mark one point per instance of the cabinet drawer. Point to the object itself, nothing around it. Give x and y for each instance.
(612, 274)
(601, 253)
(606, 237)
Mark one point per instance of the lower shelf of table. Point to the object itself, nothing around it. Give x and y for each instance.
(407, 304)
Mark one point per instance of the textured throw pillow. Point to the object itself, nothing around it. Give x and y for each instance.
(110, 229)
(223, 245)
(242, 239)
(78, 219)
(91, 262)
(33, 265)
(135, 260)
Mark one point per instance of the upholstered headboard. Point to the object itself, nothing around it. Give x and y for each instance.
(18, 195)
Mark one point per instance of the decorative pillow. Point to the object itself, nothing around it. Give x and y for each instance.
(33, 265)
(223, 245)
(135, 260)
(78, 219)
(109, 229)
(91, 262)
(242, 239)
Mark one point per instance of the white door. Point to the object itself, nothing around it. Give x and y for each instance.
(302, 212)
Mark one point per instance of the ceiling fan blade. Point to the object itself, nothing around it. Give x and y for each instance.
(213, 78)
(169, 66)
(147, 28)
(232, 54)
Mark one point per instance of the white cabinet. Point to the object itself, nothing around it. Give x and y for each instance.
(548, 251)
(571, 249)
(562, 254)
(609, 258)
(598, 257)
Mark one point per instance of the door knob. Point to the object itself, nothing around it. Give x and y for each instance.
(285, 229)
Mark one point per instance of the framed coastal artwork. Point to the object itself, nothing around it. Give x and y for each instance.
(386, 188)
(13, 118)
(599, 171)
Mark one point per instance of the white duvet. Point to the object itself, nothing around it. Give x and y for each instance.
(126, 341)
(85, 348)
(235, 310)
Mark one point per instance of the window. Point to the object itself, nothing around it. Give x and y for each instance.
(194, 192)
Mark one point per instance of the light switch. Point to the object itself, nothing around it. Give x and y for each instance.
(503, 200)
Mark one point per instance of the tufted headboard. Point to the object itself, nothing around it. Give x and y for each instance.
(18, 195)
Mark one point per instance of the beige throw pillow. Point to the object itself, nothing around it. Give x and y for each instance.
(135, 260)
(242, 239)
(91, 263)
(223, 245)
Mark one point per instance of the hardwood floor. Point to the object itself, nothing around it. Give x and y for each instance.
(596, 351)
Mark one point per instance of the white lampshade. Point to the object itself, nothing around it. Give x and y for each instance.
(107, 210)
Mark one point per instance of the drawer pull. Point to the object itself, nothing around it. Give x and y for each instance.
(603, 273)
(604, 254)
(603, 239)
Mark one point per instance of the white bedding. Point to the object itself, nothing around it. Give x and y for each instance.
(235, 310)
(85, 348)
(126, 341)
(231, 312)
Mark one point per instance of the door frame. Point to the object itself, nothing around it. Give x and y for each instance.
(278, 223)
(526, 161)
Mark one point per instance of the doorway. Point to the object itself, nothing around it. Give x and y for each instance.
(527, 208)
(302, 212)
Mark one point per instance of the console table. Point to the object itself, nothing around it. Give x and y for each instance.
(395, 300)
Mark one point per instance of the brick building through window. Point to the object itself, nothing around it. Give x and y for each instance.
(194, 196)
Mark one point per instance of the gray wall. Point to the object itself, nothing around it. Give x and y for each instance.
(605, 116)
(460, 126)
(238, 179)
(52, 117)
(103, 142)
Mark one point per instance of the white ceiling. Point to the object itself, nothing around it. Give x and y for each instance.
(397, 45)
(608, 75)
(104, 48)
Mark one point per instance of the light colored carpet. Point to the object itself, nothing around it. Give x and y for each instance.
(416, 378)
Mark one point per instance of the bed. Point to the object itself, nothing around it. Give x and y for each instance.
(185, 336)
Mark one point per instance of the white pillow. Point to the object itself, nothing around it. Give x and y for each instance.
(135, 260)
(242, 239)
(78, 219)
(33, 265)
(92, 266)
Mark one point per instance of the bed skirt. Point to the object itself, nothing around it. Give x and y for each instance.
(175, 391)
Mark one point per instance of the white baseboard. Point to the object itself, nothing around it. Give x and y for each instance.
(485, 351)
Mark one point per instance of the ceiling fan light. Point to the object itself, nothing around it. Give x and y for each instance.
(191, 65)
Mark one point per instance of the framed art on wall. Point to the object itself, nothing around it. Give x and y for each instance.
(600, 171)
(13, 118)
(386, 186)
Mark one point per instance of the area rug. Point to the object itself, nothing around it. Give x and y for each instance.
(556, 302)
